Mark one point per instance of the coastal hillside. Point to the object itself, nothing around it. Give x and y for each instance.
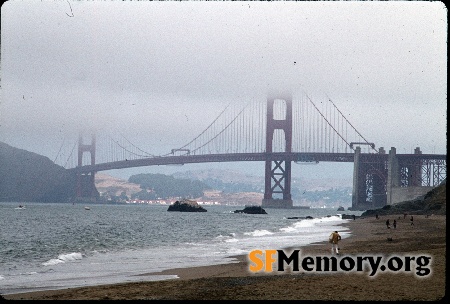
(433, 202)
(30, 177)
(113, 186)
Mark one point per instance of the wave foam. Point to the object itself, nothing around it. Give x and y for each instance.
(63, 258)
(258, 233)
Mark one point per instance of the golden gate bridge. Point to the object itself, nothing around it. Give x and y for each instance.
(277, 131)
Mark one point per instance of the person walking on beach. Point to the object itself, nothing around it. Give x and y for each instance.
(394, 224)
(334, 240)
(412, 221)
(388, 225)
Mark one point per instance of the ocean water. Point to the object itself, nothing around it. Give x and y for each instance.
(55, 246)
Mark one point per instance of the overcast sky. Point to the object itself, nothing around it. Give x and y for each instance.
(150, 69)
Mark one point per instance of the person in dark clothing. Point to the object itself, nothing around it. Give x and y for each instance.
(412, 221)
(394, 224)
(388, 225)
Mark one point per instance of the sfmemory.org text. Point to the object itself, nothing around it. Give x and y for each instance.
(264, 260)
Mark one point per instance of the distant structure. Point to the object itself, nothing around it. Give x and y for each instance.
(278, 171)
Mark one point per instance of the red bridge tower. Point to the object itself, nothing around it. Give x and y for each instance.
(86, 190)
(278, 177)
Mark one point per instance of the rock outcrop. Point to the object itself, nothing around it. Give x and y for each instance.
(186, 206)
(433, 202)
(349, 217)
(252, 210)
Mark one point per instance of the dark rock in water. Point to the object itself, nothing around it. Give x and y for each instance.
(252, 210)
(341, 209)
(300, 218)
(349, 216)
(186, 206)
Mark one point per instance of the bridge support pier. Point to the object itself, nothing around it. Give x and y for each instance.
(369, 180)
(278, 177)
(408, 178)
(358, 190)
(379, 181)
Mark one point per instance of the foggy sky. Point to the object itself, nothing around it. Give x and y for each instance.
(160, 72)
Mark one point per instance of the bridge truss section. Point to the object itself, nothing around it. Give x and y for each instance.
(422, 172)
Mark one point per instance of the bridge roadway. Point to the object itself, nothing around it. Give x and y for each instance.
(235, 157)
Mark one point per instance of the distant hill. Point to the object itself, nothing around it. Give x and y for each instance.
(225, 180)
(233, 181)
(113, 186)
(433, 202)
(29, 177)
(163, 186)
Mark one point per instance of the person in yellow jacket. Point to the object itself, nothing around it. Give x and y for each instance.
(334, 240)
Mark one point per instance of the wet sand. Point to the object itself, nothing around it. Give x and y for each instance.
(370, 237)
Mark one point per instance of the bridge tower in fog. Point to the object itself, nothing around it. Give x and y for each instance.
(86, 190)
(278, 170)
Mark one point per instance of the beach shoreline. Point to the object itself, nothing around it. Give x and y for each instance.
(234, 281)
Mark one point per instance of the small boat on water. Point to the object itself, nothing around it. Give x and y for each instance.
(87, 208)
(20, 207)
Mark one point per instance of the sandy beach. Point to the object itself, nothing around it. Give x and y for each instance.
(370, 237)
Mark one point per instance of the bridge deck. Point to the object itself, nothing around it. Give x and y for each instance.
(235, 157)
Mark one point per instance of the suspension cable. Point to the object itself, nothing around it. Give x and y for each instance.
(202, 131)
(223, 130)
(350, 123)
(70, 155)
(328, 121)
(148, 154)
(121, 146)
(64, 139)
